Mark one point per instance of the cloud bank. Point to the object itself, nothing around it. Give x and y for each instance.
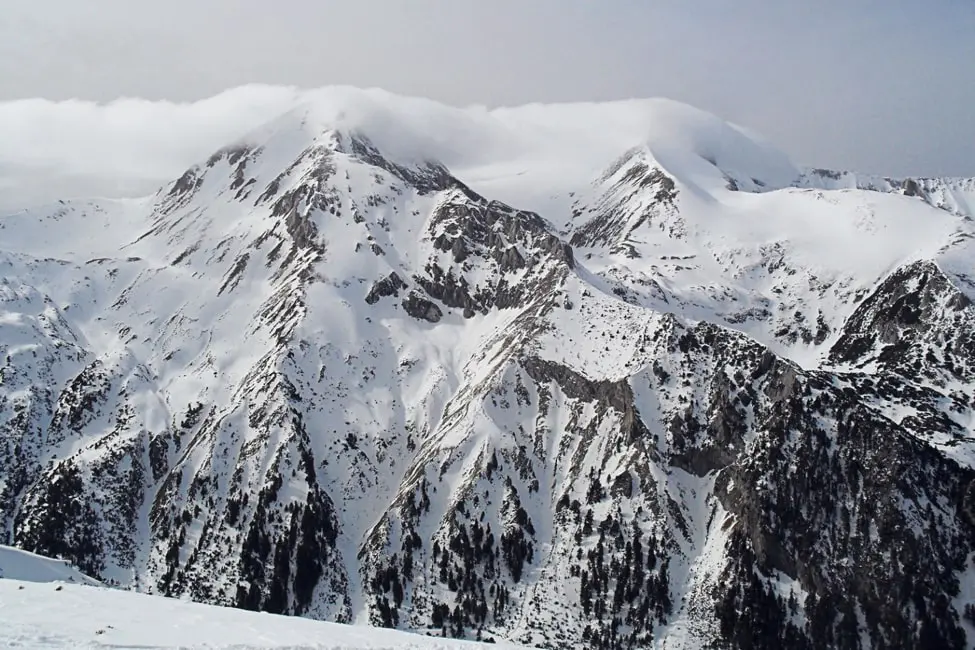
(131, 147)
(877, 86)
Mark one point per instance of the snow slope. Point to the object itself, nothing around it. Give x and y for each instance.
(81, 617)
(610, 375)
(16, 564)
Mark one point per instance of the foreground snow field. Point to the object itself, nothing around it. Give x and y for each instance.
(34, 615)
(40, 608)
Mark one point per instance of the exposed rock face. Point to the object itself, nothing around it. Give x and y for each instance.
(427, 178)
(388, 286)
(422, 308)
(915, 311)
(285, 411)
(636, 194)
(490, 239)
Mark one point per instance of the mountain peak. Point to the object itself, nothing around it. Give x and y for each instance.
(699, 148)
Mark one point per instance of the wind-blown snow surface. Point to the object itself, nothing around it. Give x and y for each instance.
(338, 369)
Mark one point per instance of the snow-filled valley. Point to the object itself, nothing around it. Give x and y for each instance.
(605, 375)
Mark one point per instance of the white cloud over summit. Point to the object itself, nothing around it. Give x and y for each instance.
(131, 147)
(881, 87)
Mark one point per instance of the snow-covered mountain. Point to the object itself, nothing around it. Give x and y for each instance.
(608, 376)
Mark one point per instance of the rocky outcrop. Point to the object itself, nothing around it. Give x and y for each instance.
(915, 323)
(426, 178)
(421, 308)
(634, 194)
(388, 286)
(515, 255)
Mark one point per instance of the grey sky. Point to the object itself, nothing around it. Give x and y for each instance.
(885, 87)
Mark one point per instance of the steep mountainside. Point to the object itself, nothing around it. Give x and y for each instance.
(341, 369)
